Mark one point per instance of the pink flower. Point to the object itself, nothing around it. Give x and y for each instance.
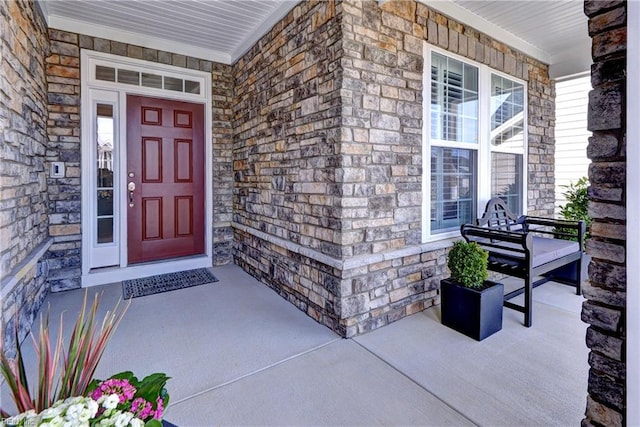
(159, 409)
(122, 388)
(141, 408)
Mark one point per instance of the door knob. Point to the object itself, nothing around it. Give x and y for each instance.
(131, 187)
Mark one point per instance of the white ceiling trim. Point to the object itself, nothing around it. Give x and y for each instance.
(449, 8)
(130, 37)
(573, 61)
(278, 13)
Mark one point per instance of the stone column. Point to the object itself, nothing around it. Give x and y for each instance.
(606, 291)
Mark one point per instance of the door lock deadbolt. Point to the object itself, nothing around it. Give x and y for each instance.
(131, 187)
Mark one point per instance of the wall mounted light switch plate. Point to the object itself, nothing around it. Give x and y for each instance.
(57, 170)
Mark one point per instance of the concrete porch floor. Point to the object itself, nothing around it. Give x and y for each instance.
(239, 354)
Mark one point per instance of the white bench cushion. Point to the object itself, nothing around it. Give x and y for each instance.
(544, 250)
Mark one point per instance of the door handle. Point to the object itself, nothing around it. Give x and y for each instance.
(131, 187)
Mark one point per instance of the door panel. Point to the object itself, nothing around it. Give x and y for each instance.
(184, 156)
(151, 160)
(151, 218)
(184, 215)
(165, 168)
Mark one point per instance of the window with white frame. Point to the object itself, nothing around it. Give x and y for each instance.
(475, 127)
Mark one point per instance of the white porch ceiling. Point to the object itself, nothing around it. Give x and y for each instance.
(218, 30)
(554, 32)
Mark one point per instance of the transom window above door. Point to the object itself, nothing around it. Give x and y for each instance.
(474, 141)
(151, 80)
(134, 75)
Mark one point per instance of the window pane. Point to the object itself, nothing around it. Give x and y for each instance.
(105, 230)
(105, 73)
(454, 100)
(453, 188)
(507, 179)
(171, 83)
(507, 113)
(128, 77)
(152, 80)
(191, 86)
(104, 145)
(105, 202)
(470, 77)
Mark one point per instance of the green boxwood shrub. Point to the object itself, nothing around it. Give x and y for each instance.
(468, 264)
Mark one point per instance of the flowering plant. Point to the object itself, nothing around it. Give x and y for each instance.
(62, 372)
(74, 411)
(144, 399)
(120, 401)
(66, 395)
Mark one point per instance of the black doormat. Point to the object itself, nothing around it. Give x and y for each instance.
(166, 282)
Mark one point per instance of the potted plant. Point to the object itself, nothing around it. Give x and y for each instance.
(66, 392)
(470, 303)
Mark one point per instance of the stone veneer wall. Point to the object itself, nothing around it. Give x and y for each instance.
(331, 217)
(326, 154)
(286, 159)
(63, 128)
(63, 77)
(382, 121)
(23, 170)
(606, 291)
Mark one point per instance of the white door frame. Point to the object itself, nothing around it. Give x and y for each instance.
(94, 90)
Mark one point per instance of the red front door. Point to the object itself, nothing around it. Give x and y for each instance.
(165, 179)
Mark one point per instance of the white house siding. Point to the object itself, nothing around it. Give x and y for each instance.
(572, 99)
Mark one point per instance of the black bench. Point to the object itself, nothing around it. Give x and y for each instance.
(528, 247)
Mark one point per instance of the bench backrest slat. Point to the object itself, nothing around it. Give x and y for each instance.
(497, 215)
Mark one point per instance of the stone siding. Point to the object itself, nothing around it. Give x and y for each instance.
(222, 87)
(317, 152)
(63, 77)
(604, 308)
(22, 295)
(287, 128)
(350, 196)
(312, 286)
(286, 160)
(382, 143)
(23, 169)
(63, 128)
(379, 290)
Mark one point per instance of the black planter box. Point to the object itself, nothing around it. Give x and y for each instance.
(477, 314)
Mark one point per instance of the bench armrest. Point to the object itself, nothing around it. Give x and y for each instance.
(495, 239)
(562, 228)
